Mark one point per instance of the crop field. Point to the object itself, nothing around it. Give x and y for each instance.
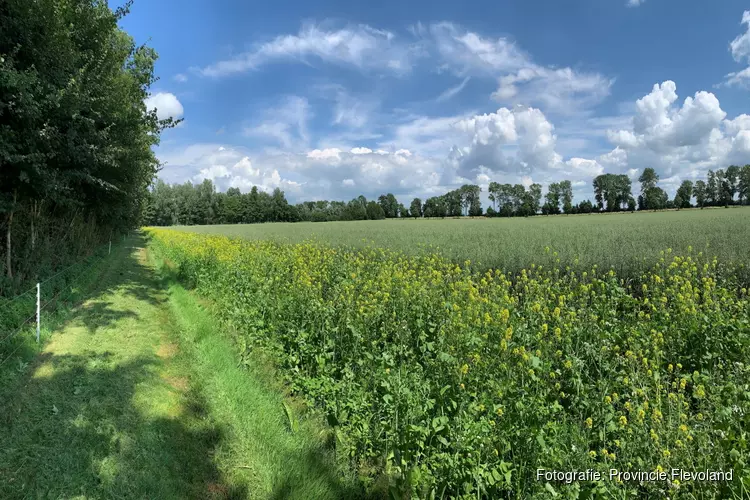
(446, 380)
(628, 242)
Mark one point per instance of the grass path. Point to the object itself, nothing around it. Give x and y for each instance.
(139, 396)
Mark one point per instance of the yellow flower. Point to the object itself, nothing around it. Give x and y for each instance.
(589, 422)
(623, 421)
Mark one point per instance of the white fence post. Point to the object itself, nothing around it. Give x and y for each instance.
(38, 311)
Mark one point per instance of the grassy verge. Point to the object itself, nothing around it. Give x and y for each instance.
(136, 394)
(268, 447)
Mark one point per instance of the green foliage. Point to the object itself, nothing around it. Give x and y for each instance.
(460, 383)
(188, 204)
(415, 209)
(75, 136)
(612, 191)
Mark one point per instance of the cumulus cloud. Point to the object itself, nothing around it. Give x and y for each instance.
(635, 3)
(360, 46)
(680, 141)
(520, 140)
(166, 105)
(225, 166)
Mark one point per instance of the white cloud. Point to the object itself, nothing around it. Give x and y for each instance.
(520, 140)
(740, 46)
(225, 166)
(562, 90)
(180, 78)
(360, 46)
(738, 79)
(166, 104)
(361, 151)
(453, 91)
(662, 128)
(635, 3)
(286, 123)
(324, 154)
(448, 46)
(521, 80)
(678, 141)
(468, 53)
(740, 49)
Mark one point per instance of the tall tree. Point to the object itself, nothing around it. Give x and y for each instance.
(701, 193)
(389, 204)
(76, 139)
(743, 185)
(566, 195)
(415, 209)
(685, 193)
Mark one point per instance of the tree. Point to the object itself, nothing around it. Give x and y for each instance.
(653, 198)
(678, 202)
(731, 178)
(475, 209)
(375, 211)
(535, 198)
(700, 190)
(743, 185)
(613, 189)
(648, 179)
(435, 207)
(684, 192)
(712, 189)
(552, 199)
(402, 211)
(76, 139)
(631, 204)
(415, 209)
(566, 195)
(389, 204)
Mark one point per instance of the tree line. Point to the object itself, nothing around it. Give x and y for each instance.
(187, 204)
(76, 139)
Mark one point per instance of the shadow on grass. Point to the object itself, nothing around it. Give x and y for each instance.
(95, 424)
(83, 423)
(78, 431)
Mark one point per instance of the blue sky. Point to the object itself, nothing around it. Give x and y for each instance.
(328, 100)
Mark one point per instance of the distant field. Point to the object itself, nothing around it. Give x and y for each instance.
(628, 242)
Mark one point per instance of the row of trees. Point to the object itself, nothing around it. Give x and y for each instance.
(201, 204)
(76, 138)
(188, 204)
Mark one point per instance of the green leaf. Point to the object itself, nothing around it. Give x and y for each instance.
(552, 491)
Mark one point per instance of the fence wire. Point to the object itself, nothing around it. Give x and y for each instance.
(95, 258)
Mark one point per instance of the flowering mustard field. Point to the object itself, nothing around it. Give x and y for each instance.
(454, 382)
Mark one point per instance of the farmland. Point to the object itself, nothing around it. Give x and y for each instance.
(455, 381)
(628, 242)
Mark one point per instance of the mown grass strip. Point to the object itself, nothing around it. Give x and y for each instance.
(266, 446)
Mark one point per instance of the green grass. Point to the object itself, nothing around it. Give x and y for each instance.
(629, 242)
(137, 394)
